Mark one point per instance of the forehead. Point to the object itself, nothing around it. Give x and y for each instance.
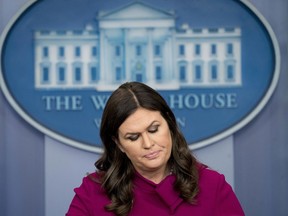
(140, 120)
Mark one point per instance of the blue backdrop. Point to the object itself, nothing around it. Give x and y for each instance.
(261, 158)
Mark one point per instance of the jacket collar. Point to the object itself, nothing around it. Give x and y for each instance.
(165, 190)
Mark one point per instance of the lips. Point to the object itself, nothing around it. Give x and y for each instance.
(152, 155)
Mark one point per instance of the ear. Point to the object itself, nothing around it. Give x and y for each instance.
(118, 144)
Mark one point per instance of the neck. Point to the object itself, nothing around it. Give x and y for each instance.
(155, 176)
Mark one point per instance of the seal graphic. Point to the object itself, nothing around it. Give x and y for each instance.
(60, 63)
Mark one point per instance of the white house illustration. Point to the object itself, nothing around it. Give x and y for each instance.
(138, 42)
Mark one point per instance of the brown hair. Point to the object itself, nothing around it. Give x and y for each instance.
(114, 166)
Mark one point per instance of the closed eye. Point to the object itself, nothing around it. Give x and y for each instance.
(153, 129)
(133, 137)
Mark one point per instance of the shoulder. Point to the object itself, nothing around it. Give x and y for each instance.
(91, 178)
(211, 180)
(90, 184)
(89, 197)
(215, 190)
(207, 174)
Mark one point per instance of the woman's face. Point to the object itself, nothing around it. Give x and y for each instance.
(146, 140)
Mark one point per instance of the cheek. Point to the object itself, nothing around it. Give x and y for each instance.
(169, 145)
(133, 155)
(165, 139)
(129, 149)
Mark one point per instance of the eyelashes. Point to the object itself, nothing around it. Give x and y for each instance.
(153, 129)
(133, 137)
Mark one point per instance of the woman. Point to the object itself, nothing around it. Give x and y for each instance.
(146, 167)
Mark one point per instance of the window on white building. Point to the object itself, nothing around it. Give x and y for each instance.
(213, 30)
(45, 77)
(182, 72)
(213, 49)
(61, 74)
(94, 75)
(197, 50)
(138, 50)
(229, 49)
(139, 77)
(77, 74)
(61, 52)
(198, 73)
(94, 51)
(117, 50)
(181, 50)
(45, 52)
(213, 72)
(157, 50)
(77, 51)
(158, 73)
(118, 74)
(230, 72)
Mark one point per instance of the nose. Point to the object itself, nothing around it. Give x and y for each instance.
(146, 141)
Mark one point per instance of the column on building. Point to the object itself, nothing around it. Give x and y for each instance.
(53, 72)
(150, 65)
(173, 56)
(103, 50)
(127, 54)
(168, 58)
(238, 59)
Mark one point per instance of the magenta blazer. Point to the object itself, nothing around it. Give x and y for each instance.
(215, 198)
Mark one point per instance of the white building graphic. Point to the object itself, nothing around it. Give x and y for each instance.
(141, 43)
